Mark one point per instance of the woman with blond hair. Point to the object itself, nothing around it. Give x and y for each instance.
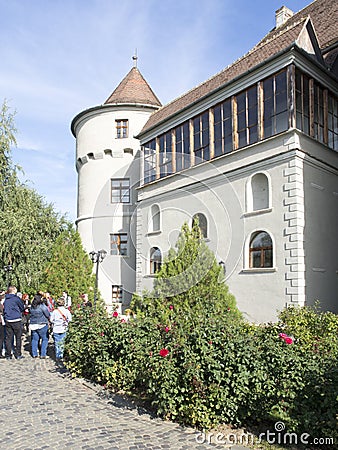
(59, 319)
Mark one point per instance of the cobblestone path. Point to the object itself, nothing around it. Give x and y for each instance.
(43, 407)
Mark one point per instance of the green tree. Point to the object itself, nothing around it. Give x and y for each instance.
(69, 268)
(7, 139)
(28, 225)
(190, 279)
(29, 228)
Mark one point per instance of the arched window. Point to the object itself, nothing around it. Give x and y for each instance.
(202, 223)
(260, 191)
(260, 250)
(155, 218)
(155, 260)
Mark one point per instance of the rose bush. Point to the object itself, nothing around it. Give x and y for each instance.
(206, 369)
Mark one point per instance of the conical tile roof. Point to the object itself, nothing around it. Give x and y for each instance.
(133, 89)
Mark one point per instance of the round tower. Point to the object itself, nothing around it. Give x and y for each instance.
(108, 166)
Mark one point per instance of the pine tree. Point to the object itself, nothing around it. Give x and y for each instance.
(190, 279)
(69, 268)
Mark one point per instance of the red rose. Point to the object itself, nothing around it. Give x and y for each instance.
(164, 352)
(115, 314)
(287, 339)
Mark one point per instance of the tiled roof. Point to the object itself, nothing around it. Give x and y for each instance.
(323, 14)
(133, 89)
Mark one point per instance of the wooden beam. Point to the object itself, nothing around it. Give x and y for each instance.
(326, 113)
(291, 90)
(234, 122)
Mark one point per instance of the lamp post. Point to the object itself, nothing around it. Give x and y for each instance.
(96, 258)
(8, 270)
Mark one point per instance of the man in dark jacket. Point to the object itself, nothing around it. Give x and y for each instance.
(13, 309)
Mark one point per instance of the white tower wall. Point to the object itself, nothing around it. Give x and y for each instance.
(100, 157)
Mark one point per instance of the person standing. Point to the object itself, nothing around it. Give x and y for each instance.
(60, 318)
(25, 317)
(13, 309)
(49, 301)
(38, 324)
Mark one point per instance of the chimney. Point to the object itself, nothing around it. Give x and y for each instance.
(282, 15)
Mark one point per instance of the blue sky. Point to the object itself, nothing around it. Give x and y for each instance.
(59, 57)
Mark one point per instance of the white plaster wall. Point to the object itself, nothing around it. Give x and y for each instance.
(321, 225)
(218, 190)
(100, 157)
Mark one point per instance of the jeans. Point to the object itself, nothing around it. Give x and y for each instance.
(59, 340)
(13, 329)
(2, 337)
(41, 333)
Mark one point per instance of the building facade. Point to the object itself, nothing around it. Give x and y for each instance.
(252, 152)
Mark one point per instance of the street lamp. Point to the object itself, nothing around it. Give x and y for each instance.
(8, 270)
(97, 257)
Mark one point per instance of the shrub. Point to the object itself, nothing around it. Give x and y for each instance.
(202, 369)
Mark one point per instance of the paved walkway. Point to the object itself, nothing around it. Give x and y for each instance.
(43, 407)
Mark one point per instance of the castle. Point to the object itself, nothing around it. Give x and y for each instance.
(252, 153)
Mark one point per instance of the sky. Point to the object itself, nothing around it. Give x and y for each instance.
(60, 57)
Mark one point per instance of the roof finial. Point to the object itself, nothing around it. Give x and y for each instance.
(134, 58)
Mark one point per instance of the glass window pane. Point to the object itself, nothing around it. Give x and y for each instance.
(268, 258)
(256, 258)
(217, 114)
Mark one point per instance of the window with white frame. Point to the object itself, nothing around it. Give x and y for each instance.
(121, 128)
(155, 260)
(120, 190)
(117, 293)
(260, 250)
(119, 244)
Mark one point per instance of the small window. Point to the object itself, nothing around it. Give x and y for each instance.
(121, 129)
(260, 250)
(120, 190)
(155, 260)
(117, 292)
(119, 244)
(202, 223)
(155, 218)
(260, 191)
